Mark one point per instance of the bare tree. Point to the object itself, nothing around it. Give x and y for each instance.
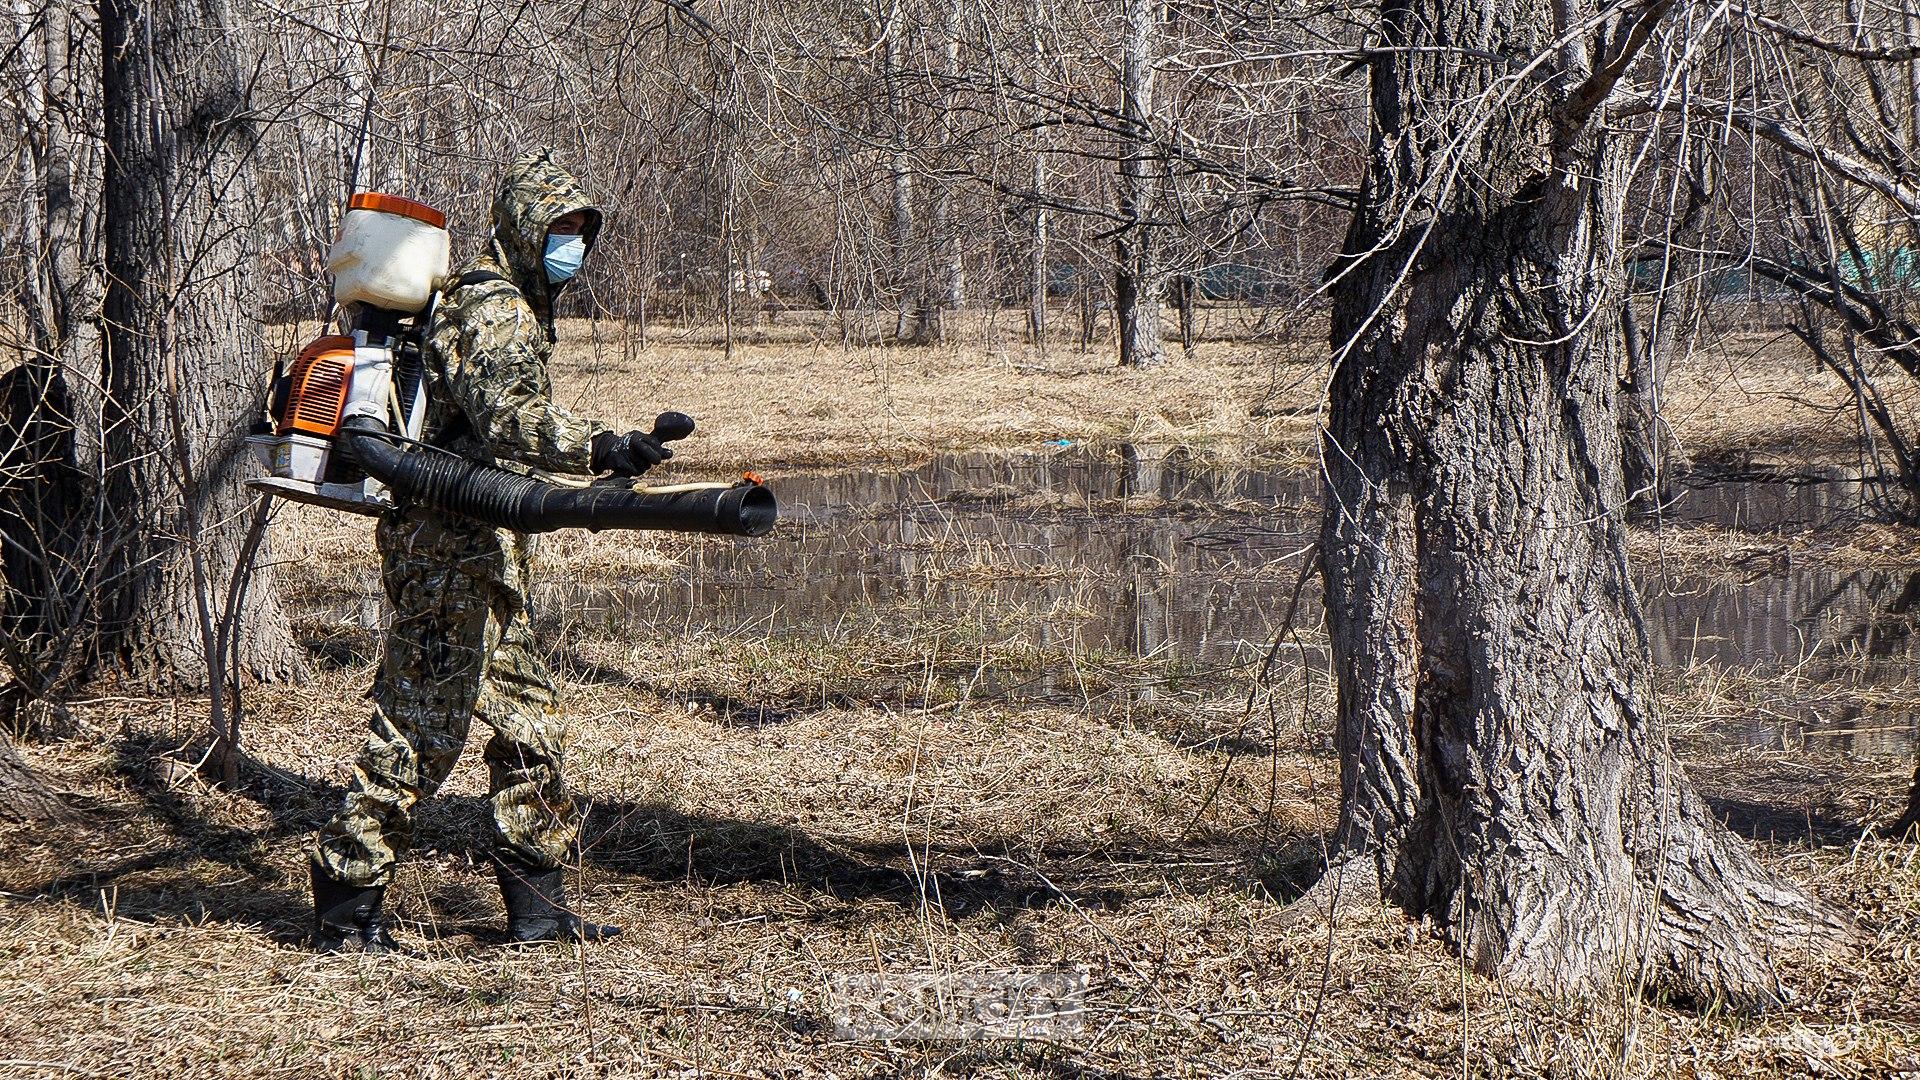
(1039, 275)
(182, 359)
(1137, 282)
(1504, 772)
(1827, 125)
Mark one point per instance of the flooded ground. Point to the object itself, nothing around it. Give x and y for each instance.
(1145, 554)
(1853, 633)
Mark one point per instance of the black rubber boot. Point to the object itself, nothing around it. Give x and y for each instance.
(537, 905)
(347, 917)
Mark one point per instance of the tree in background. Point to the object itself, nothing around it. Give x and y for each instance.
(1138, 283)
(1824, 123)
(50, 403)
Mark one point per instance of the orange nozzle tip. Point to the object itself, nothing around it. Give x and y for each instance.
(752, 478)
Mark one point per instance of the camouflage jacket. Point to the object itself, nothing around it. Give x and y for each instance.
(489, 342)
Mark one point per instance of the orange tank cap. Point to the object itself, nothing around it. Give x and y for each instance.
(394, 204)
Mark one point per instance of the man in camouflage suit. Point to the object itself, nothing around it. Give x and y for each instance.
(461, 644)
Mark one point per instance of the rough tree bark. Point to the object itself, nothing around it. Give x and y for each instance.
(1503, 767)
(181, 367)
(1137, 280)
(943, 282)
(1367, 562)
(23, 795)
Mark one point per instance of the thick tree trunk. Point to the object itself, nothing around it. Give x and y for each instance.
(943, 283)
(182, 362)
(23, 795)
(1367, 566)
(1137, 284)
(1473, 449)
(929, 325)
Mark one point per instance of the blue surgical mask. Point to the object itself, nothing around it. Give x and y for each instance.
(564, 256)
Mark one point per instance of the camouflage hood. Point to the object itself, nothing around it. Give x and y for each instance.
(534, 192)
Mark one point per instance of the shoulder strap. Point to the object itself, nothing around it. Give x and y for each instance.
(477, 277)
(457, 425)
(481, 277)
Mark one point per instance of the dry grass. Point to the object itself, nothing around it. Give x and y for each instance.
(1739, 553)
(794, 400)
(1758, 398)
(877, 795)
(755, 851)
(794, 395)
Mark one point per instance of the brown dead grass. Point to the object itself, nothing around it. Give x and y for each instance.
(770, 810)
(805, 402)
(794, 395)
(1757, 397)
(1736, 553)
(754, 859)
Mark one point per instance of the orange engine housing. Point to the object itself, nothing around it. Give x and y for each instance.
(317, 390)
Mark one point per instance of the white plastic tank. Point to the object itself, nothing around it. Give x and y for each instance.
(391, 254)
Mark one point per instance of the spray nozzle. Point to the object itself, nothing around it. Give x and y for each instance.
(672, 426)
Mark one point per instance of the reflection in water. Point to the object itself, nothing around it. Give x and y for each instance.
(1852, 629)
(1856, 628)
(1805, 499)
(1134, 556)
(957, 534)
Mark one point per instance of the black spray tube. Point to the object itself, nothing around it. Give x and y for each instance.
(452, 484)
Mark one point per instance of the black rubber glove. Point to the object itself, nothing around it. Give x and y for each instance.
(627, 455)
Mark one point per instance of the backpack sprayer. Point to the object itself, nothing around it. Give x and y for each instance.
(344, 424)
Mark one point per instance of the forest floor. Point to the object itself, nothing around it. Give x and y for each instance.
(775, 812)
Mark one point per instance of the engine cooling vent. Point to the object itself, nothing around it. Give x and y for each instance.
(319, 383)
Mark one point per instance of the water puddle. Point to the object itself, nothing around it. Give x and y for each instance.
(1131, 558)
(1148, 554)
(1850, 637)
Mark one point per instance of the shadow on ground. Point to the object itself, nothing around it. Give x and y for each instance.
(162, 855)
(145, 861)
(167, 858)
(1768, 823)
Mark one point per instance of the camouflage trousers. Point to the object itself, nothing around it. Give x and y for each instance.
(460, 646)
